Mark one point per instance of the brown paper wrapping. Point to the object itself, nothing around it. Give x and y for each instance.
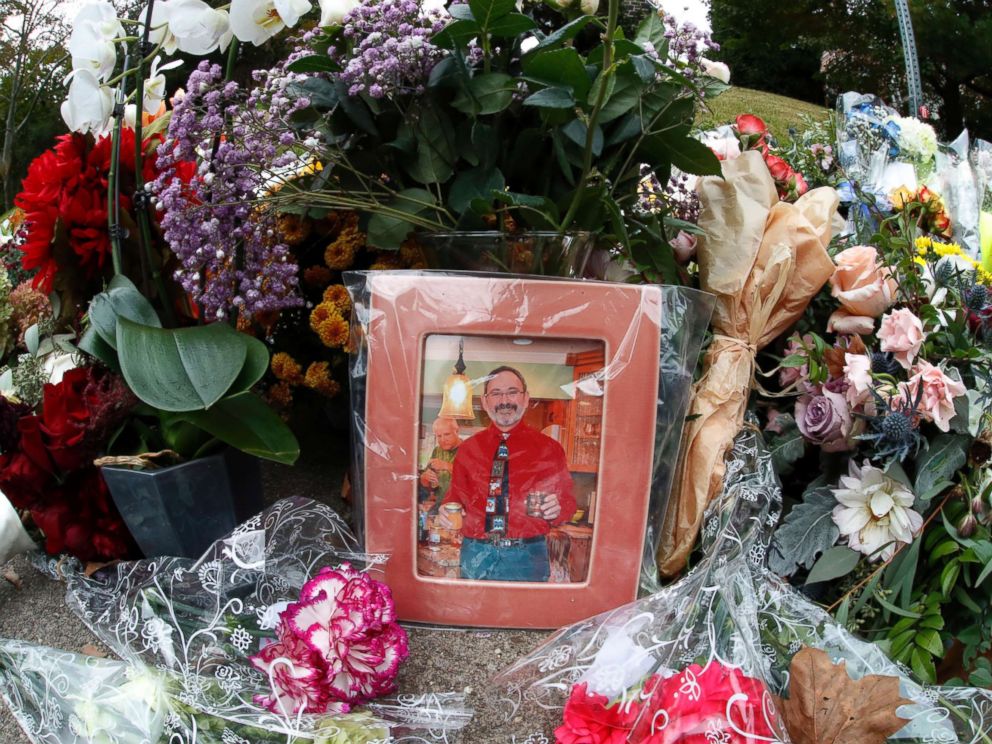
(764, 260)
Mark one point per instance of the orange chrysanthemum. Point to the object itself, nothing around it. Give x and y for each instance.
(337, 295)
(281, 394)
(317, 276)
(293, 228)
(286, 369)
(319, 378)
(340, 254)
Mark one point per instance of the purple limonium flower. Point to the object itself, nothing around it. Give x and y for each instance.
(229, 254)
(390, 47)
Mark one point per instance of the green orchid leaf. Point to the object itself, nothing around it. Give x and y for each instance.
(313, 63)
(566, 33)
(121, 299)
(246, 423)
(457, 34)
(184, 369)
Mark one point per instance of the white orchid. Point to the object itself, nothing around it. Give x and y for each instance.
(92, 42)
(199, 28)
(258, 20)
(154, 92)
(875, 511)
(332, 12)
(160, 34)
(717, 70)
(89, 105)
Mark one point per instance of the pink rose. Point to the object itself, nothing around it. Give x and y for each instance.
(825, 419)
(857, 372)
(901, 332)
(789, 375)
(684, 246)
(935, 392)
(779, 169)
(751, 124)
(864, 289)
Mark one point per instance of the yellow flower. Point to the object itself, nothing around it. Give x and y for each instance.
(387, 262)
(337, 295)
(318, 378)
(329, 325)
(341, 252)
(286, 369)
(984, 277)
(919, 261)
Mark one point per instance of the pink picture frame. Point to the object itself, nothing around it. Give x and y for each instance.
(402, 310)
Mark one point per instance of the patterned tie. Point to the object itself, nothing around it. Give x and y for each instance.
(498, 500)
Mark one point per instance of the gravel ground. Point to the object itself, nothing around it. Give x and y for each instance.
(441, 659)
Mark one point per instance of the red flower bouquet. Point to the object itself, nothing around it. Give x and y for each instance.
(695, 706)
(46, 466)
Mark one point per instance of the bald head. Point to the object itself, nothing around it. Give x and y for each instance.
(446, 433)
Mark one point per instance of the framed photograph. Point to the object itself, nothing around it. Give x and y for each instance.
(505, 452)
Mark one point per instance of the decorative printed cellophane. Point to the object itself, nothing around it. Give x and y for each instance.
(185, 629)
(739, 623)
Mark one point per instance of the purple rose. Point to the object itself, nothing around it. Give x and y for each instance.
(824, 418)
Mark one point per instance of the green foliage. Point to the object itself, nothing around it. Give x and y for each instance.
(807, 531)
(199, 376)
(563, 128)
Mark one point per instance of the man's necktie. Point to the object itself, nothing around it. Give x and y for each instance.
(498, 498)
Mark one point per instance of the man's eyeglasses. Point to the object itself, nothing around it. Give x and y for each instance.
(511, 393)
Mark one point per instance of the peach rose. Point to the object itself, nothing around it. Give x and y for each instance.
(902, 333)
(864, 289)
(935, 391)
(684, 246)
(857, 372)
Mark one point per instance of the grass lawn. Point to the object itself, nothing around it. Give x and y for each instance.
(778, 112)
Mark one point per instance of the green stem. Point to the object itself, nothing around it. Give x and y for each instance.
(608, 71)
(113, 187)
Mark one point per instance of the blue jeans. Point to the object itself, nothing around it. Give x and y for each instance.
(526, 562)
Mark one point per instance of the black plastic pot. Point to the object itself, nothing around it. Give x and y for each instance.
(181, 510)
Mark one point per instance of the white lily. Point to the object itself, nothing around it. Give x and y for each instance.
(89, 105)
(259, 20)
(91, 44)
(155, 85)
(332, 12)
(198, 28)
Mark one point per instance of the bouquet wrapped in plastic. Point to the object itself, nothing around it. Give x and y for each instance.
(275, 634)
(981, 163)
(728, 654)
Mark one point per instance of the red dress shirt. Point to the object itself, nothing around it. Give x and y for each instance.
(537, 463)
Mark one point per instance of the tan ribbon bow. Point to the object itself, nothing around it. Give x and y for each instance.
(764, 260)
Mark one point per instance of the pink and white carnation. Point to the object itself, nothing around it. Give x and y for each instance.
(932, 391)
(901, 332)
(339, 645)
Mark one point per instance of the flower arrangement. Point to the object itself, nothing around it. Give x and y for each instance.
(893, 416)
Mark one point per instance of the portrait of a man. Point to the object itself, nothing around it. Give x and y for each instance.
(513, 485)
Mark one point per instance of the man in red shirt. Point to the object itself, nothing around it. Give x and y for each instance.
(496, 473)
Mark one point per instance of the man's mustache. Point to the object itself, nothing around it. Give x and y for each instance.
(506, 407)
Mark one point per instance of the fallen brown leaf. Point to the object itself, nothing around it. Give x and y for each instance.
(834, 356)
(91, 649)
(826, 706)
(11, 575)
(93, 566)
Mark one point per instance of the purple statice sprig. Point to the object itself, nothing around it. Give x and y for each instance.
(687, 45)
(387, 48)
(231, 259)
